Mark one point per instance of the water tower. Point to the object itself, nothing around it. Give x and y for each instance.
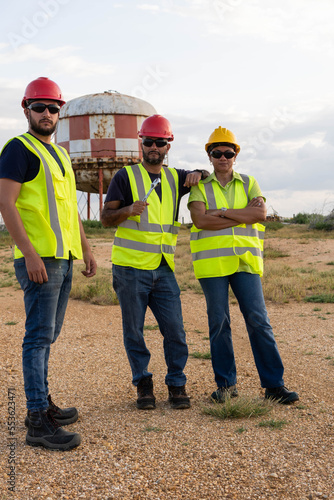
(100, 133)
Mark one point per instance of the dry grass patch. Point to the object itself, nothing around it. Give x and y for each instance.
(94, 229)
(299, 231)
(200, 355)
(241, 407)
(272, 253)
(273, 424)
(5, 239)
(184, 270)
(97, 290)
(281, 283)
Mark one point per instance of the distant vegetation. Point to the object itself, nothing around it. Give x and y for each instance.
(96, 290)
(5, 239)
(273, 225)
(94, 229)
(315, 221)
(281, 282)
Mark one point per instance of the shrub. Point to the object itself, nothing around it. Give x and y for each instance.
(301, 218)
(96, 224)
(323, 225)
(273, 225)
(324, 298)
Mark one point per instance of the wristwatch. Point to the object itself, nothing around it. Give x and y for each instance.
(223, 210)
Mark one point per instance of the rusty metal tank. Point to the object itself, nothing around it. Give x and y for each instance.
(100, 132)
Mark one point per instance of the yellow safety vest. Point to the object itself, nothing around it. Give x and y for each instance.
(48, 205)
(218, 253)
(141, 241)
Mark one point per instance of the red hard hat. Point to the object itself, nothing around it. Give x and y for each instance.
(42, 88)
(156, 126)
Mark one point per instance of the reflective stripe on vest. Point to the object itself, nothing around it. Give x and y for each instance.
(226, 252)
(244, 240)
(143, 247)
(147, 226)
(238, 231)
(53, 213)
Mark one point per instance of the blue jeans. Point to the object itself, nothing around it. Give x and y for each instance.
(45, 307)
(136, 289)
(248, 291)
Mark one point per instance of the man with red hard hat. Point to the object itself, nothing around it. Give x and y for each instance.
(39, 207)
(143, 258)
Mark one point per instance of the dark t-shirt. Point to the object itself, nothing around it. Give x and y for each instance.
(21, 165)
(119, 188)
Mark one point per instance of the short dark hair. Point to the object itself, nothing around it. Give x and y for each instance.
(216, 144)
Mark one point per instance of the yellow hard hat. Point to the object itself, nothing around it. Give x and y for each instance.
(221, 134)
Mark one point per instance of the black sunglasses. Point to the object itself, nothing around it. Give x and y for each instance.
(216, 153)
(160, 143)
(39, 107)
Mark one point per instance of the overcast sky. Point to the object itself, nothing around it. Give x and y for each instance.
(262, 68)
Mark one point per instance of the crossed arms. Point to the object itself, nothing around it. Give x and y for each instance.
(254, 212)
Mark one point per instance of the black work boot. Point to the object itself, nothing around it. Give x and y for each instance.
(44, 431)
(281, 395)
(146, 399)
(223, 393)
(64, 416)
(178, 397)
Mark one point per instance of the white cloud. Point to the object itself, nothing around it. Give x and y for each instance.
(305, 24)
(61, 59)
(10, 123)
(289, 203)
(146, 6)
(10, 83)
(31, 52)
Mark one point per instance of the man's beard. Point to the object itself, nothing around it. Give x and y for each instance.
(154, 160)
(38, 129)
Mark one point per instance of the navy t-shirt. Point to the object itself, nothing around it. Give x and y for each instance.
(119, 188)
(19, 164)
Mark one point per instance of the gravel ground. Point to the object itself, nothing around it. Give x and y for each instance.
(165, 453)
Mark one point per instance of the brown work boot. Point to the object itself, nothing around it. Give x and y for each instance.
(146, 399)
(178, 397)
